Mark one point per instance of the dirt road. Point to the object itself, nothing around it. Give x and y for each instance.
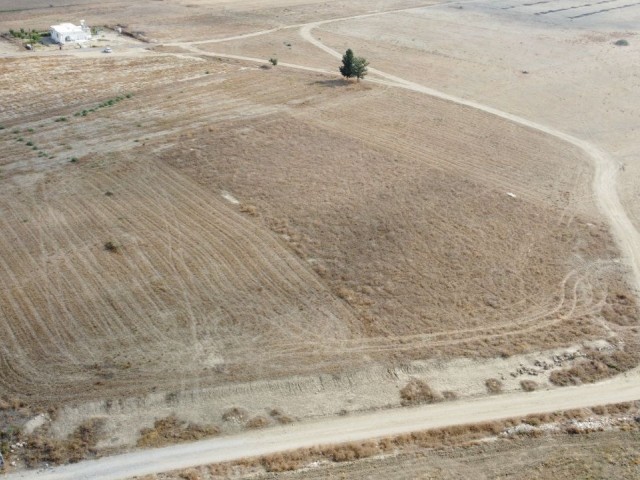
(343, 429)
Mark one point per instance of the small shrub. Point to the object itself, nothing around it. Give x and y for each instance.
(20, 139)
(280, 417)
(621, 43)
(191, 474)
(258, 422)
(449, 395)
(596, 366)
(416, 392)
(528, 385)
(493, 385)
(273, 61)
(112, 246)
(61, 119)
(171, 430)
(351, 451)
(249, 209)
(235, 414)
(73, 159)
(29, 143)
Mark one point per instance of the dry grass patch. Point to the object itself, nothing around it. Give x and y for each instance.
(235, 414)
(596, 366)
(280, 417)
(493, 385)
(258, 422)
(78, 446)
(171, 430)
(417, 391)
(528, 385)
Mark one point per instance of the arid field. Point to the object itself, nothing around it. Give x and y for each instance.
(187, 228)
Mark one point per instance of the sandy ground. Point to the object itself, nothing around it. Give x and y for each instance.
(357, 240)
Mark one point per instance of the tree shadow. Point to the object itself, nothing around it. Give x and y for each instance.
(333, 83)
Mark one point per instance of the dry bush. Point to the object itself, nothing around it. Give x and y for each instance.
(79, 445)
(170, 430)
(493, 385)
(249, 209)
(280, 462)
(191, 474)
(528, 385)
(112, 246)
(258, 422)
(449, 395)
(235, 414)
(596, 366)
(621, 307)
(351, 451)
(280, 417)
(417, 391)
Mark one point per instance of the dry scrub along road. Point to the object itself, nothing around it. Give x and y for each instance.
(342, 429)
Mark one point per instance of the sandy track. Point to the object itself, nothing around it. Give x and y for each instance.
(345, 429)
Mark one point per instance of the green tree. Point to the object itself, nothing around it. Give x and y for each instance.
(353, 66)
(346, 69)
(360, 67)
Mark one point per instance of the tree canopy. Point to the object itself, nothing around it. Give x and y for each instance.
(353, 66)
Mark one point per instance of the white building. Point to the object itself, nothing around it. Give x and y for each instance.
(69, 33)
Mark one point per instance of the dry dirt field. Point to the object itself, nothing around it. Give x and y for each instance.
(184, 232)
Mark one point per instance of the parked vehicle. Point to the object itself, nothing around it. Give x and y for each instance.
(107, 50)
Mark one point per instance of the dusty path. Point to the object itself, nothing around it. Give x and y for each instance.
(342, 429)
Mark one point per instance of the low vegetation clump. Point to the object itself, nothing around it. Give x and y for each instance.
(28, 36)
(78, 446)
(170, 430)
(493, 385)
(235, 414)
(258, 422)
(280, 417)
(417, 391)
(528, 385)
(112, 246)
(596, 366)
(621, 43)
(107, 103)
